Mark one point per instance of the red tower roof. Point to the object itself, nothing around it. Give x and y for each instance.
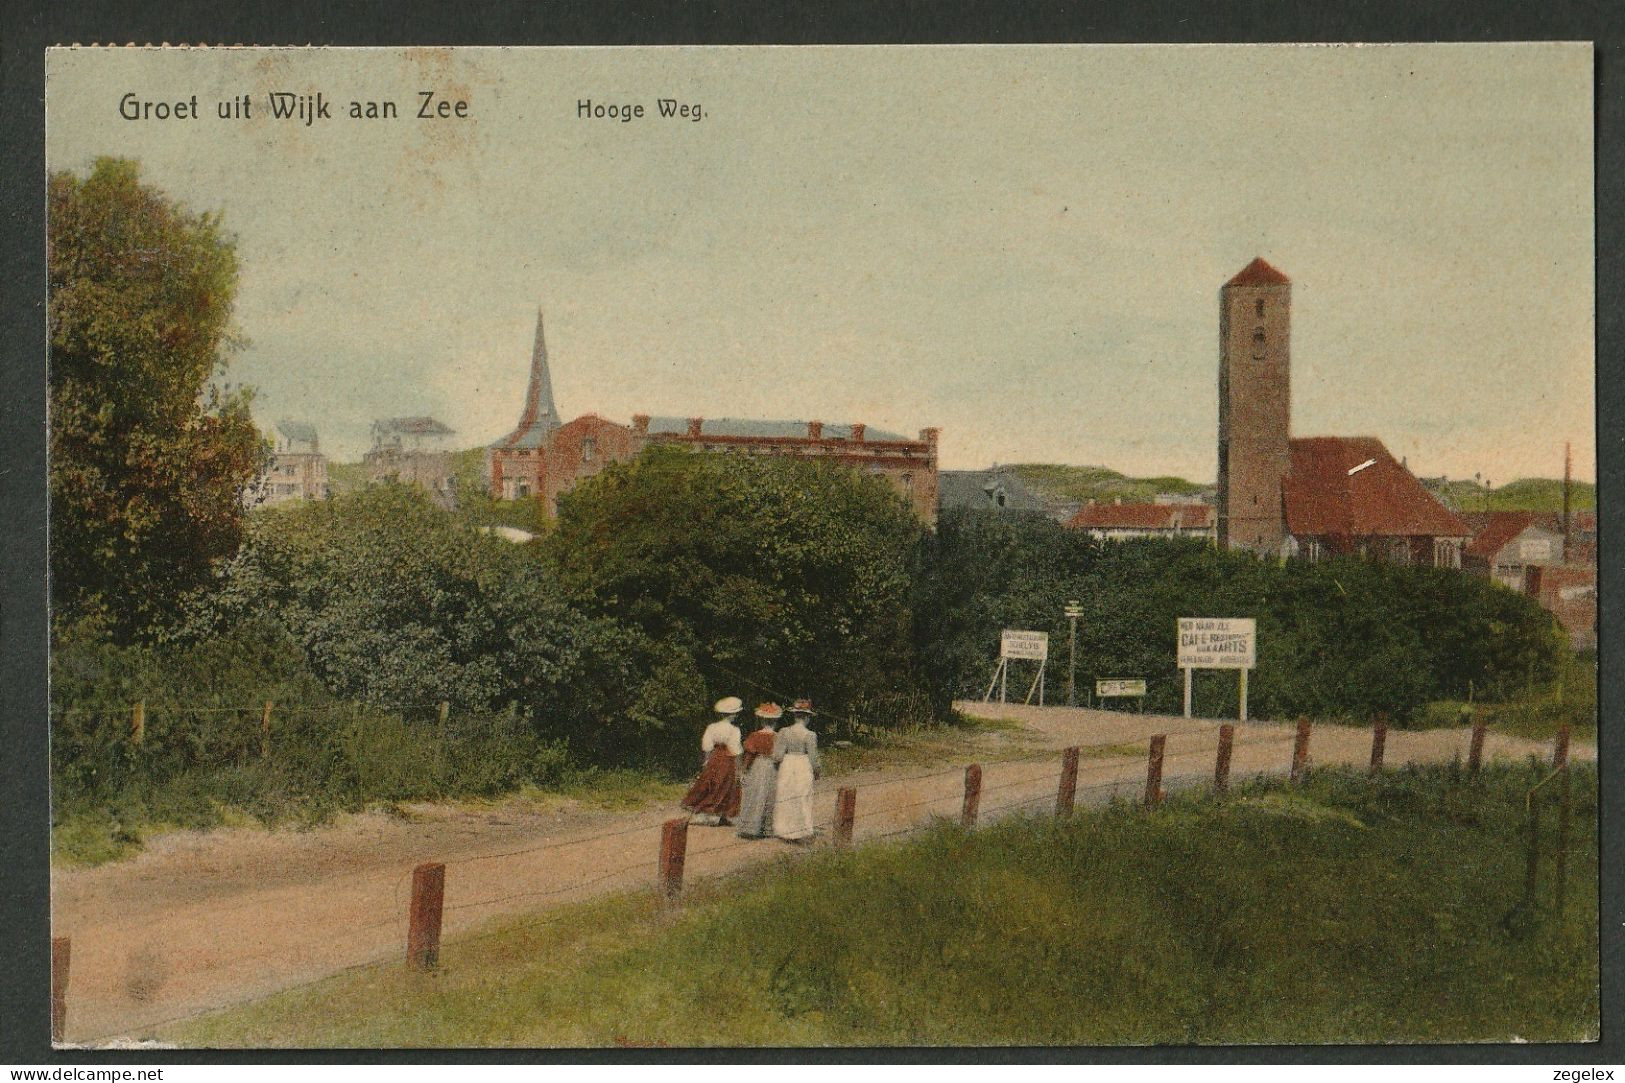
(1259, 273)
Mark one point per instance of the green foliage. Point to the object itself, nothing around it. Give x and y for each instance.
(148, 457)
(346, 477)
(1081, 484)
(1536, 712)
(200, 759)
(1341, 638)
(394, 601)
(1525, 494)
(769, 577)
(1348, 910)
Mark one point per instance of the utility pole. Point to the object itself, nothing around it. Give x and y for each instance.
(1073, 611)
(1568, 485)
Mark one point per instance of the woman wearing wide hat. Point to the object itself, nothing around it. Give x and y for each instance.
(760, 774)
(715, 794)
(795, 749)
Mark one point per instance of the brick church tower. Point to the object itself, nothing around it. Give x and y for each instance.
(1255, 407)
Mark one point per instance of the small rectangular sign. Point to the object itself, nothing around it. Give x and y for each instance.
(1217, 642)
(1017, 644)
(1119, 687)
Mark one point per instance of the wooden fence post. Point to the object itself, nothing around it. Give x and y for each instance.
(1560, 750)
(973, 795)
(61, 952)
(138, 722)
(1066, 796)
(1475, 749)
(1221, 766)
(1153, 771)
(673, 849)
(846, 808)
(423, 927)
(1300, 752)
(1379, 742)
(265, 731)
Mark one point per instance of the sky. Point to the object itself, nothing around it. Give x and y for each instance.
(1021, 246)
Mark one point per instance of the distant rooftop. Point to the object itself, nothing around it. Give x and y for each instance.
(300, 431)
(415, 426)
(1258, 273)
(998, 489)
(729, 426)
(1144, 517)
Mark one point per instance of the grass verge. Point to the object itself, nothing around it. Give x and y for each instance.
(1345, 910)
(1572, 700)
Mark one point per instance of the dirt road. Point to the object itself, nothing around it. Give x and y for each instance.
(205, 919)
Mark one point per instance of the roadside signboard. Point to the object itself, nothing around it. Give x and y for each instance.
(1017, 644)
(1218, 642)
(1119, 687)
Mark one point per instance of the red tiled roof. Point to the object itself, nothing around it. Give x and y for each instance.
(1493, 529)
(1258, 273)
(1578, 520)
(1330, 491)
(1143, 517)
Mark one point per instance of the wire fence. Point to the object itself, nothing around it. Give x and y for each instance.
(1066, 776)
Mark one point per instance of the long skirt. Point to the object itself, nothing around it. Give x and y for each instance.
(756, 808)
(716, 791)
(792, 805)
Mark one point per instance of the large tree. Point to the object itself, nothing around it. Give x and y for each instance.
(778, 577)
(149, 455)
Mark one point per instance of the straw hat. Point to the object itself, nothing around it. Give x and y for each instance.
(769, 711)
(802, 706)
(731, 705)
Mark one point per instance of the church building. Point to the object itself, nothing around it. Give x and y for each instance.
(543, 458)
(1307, 496)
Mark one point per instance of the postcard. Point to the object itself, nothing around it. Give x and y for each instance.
(1065, 546)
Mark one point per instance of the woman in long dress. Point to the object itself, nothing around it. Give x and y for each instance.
(795, 749)
(761, 775)
(715, 794)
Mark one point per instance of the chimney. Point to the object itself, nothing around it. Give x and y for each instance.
(694, 424)
(815, 430)
(858, 430)
(930, 437)
(640, 424)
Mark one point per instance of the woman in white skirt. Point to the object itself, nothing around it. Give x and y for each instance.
(795, 750)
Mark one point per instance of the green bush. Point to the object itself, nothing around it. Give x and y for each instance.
(1340, 638)
(766, 577)
(200, 758)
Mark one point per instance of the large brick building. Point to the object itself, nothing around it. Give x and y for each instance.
(1316, 496)
(543, 458)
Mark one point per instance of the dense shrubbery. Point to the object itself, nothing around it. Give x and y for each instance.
(765, 578)
(394, 602)
(201, 751)
(1341, 638)
(680, 577)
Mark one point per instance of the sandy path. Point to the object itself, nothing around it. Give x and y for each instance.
(201, 920)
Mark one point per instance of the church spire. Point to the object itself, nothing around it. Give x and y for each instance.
(540, 413)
